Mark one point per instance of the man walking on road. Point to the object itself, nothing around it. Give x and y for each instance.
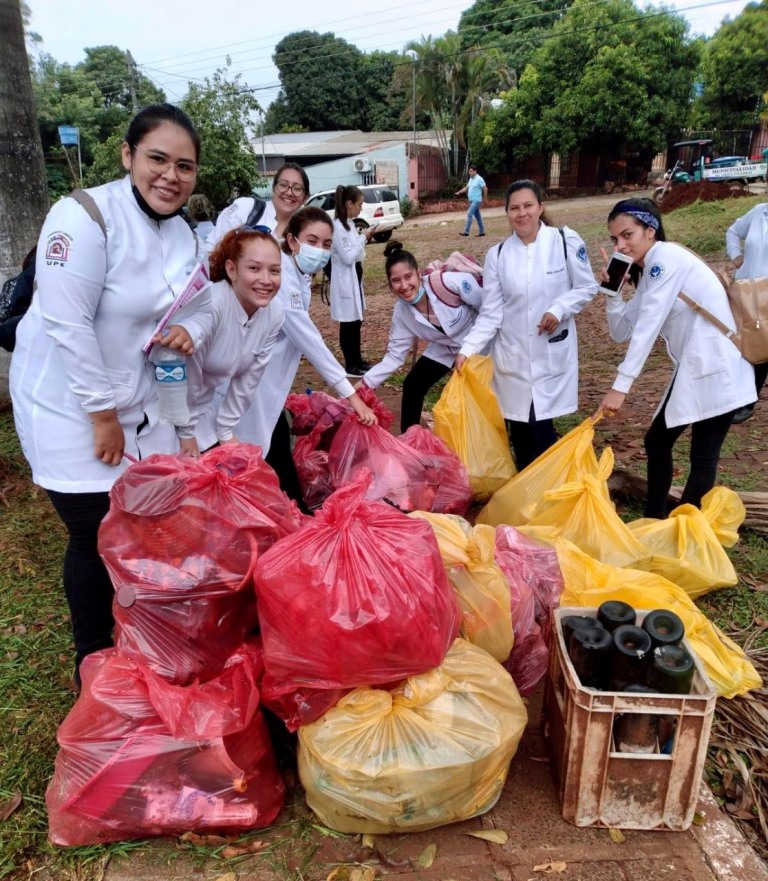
(477, 193)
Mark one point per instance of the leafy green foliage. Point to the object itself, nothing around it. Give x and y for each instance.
(734, 70)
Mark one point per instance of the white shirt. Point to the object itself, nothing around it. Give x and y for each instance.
(753, 228)
(78, 348)
(298, 337)
(346, 292)
(521, 283)
(234, 354)
(408, 324)
(235, 216)
(710, 376)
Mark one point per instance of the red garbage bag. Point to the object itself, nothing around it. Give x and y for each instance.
(179, 542)
(313, 408)
(139, 757)
(454, 494)
(312, 467)
(358, 597)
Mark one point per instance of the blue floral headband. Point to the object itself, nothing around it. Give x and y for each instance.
(643, 216)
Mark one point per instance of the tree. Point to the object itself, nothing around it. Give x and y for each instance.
(610, 79)
(384, 102)
(221, 110)
(23, 193)
(734, 70)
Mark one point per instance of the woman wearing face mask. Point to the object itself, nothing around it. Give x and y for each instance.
(710, 380)
(290, 188)
(246, 269)
(536, 282)
(440, 308)
(306, 249)
(82, 388)
(346, 293)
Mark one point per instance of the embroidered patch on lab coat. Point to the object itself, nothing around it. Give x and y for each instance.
(296, 301)
(656, 271)
(581, 255)
(466, 286)
(57, 248)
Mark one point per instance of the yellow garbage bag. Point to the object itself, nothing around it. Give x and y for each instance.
(590, 583)
(481, 587)
(516, 502)
(468, 419)
(434, 750)
(725, 512)
(582, 512)
(685, 550)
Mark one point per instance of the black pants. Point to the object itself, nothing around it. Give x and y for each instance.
(87, 585)
(280, 459)
(707, 438)
(761, 374)
(530, 439)
(423, 375)
(349, 341)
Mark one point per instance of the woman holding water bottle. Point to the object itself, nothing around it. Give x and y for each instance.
(110, 262)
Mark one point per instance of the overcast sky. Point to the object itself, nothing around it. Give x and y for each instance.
(178, 40)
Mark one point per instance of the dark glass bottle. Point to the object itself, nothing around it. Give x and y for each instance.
(671, 670)
(614, 613)
(636, 732)
(571, 623)
(590, 652)
(630, 658)
(664, 627)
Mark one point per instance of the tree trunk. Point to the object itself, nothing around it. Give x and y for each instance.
(23, 188)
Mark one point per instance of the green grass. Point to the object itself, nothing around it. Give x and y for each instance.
(702, 226)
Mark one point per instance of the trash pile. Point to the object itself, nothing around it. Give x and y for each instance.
(393, 635)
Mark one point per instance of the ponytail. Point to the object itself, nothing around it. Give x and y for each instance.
(342, 196)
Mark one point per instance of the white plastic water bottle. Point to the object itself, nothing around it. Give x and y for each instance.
(171, 385)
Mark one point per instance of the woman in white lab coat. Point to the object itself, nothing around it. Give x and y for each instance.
(710, 379)
(440, 308)
(246, 269)
(752, 228)
(535, 282)
(346, 290)
(306, 250)
(290, 189)
(82, 388)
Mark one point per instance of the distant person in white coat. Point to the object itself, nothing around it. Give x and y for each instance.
(752, 229)
(710, 380)
(346, 289)
(536, 282)
(290, 189)
(306, 250)
(440, 308)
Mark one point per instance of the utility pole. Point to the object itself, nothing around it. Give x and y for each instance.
(132, 75)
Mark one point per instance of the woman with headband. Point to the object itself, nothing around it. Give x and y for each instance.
(710, 380)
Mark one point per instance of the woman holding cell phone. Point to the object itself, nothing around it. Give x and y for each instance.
(710, 379)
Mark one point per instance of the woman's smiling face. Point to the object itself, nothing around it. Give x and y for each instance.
(631, 238)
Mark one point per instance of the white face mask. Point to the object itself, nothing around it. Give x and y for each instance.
(311, 259)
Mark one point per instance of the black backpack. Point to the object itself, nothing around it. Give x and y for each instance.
(16, 293)
(255, 215)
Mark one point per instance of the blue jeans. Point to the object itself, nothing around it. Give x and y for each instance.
(474, 211)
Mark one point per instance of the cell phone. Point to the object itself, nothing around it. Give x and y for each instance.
(618, 267)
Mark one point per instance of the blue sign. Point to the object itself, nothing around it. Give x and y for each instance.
(69, 135)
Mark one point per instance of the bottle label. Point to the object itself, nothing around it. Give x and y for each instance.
(170, 372)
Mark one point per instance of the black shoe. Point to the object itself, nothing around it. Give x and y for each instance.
(356, 371)
(463, 233)
(480, 235)
(366, 365)
(742, 414)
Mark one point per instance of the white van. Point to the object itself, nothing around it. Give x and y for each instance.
(380, 206)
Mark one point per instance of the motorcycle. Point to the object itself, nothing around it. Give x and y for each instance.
(672, 178)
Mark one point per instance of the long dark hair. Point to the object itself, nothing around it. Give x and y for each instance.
(531, 185)
(301, 220)
(341, 197)
(636, 203)
(396, 253)
(152, 117)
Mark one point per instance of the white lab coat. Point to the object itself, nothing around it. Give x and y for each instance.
(235, 215)
(521, 283)
(78, 348)
(298, 337)
(710, 376)
(347, 295)
(233, 354)
(753, 228)
(408, 324)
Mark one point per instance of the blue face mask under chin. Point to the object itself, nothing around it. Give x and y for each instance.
(418, 296)
(311, 259)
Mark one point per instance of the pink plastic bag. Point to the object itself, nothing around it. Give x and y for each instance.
(311, 408)
(312, 468)
(454, 494)
(357, 597)
(179, 542)
(140, 757)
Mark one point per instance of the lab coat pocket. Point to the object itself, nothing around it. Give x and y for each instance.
(706, 360)
(560, 351)
(123, 385)
(507, 359)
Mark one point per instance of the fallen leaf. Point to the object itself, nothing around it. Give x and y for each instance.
(229, 876)
(617, 836)
(369, 841)
(362, 873)
(496, 836)
(551, 868)
(699, 819)
(427, 856)
(240, 850)
(9, 805)
(204, 840)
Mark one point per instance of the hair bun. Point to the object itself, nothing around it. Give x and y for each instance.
(392, 247)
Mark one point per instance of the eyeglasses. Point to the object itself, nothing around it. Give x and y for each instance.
(159, 164)
(282, 186)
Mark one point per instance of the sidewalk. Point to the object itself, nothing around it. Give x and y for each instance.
(540, 845)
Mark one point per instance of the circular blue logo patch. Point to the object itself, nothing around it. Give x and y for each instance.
(656, 271)
(466, 286)
(581, 254)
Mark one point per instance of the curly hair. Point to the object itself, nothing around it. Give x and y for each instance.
(231, 248)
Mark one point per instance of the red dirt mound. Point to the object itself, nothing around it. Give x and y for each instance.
(704, 190)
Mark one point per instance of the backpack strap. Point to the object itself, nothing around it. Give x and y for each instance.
(90, 207)
(705, 313)
(255, 213)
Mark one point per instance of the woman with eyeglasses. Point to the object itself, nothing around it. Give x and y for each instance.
(290, 189)
(110, 262)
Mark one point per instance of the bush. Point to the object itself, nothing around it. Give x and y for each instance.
(407, 208)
